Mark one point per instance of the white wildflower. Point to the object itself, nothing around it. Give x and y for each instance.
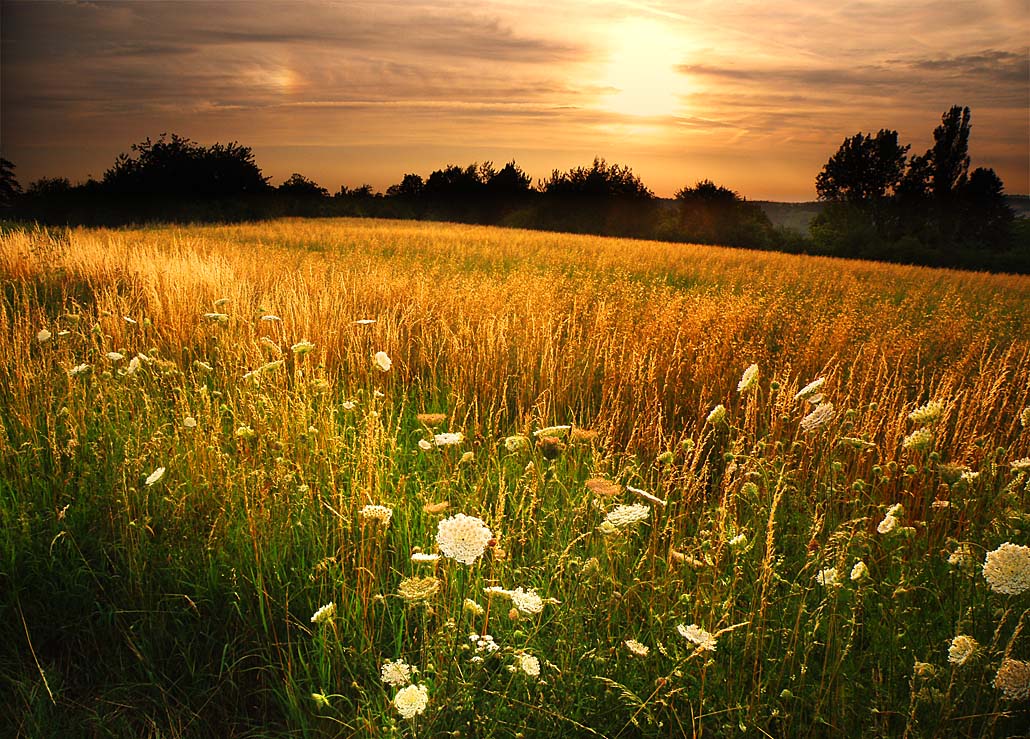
(424, 557)
(919, 439)
(527, 601)
(1013, 679)
(189, 422)
(382, 361)
(79, 369)
(463, 538)
(828, 577)
(396, 673)
(810, 389)
(1020, 465)
(818, 418)
(43, 336)
(155, 476)
(115, 356)
(271, 318)
(962, 649)
(717, 414)
(623, 516)
(749, 379)
(528, 664)
(636, 648)
(696, 635)
(324, 614)
(425, 445)
(647, 496)
(217, 317)
(376, 514)
(926, 414)
(448, 439)
(859, 572)
(411, 701)
(302, 347)
(516, 443)
(1007, 569)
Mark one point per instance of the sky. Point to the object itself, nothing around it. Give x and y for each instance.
(755, 96)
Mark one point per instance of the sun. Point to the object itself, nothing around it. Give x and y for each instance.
(641, 70)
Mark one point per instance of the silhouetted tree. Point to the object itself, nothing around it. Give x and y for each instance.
(949, 157)
(176, 167)
(711, 214)
(49, 187)
(9, 187)
(509, 182)
(411, 188)
(299, 186)
(599, 180)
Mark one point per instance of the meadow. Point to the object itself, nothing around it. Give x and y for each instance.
(365, 478)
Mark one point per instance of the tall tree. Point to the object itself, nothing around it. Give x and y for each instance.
(865, 169)
(949, 157)
(9, 187)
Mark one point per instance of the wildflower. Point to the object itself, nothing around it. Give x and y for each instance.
(324, 614)
(551, 431)
(890, 521)
(271, 319)
(484, 644)
(364, 322)
(130, 321)
(376, 514)
(528, 664)
(43, 336)
(749, 379)
(516, 443)
(155, 476)
(431, 419)
(473, 608)
(418, 589)
(79, 369)
(818, 418)
(411, 701)
(220, 302)
(526, 601)
(115, 356)
(1007, 569)
(133, 367)
(1021, 465)
(737, 541)
(918, 440)
(602, 487)
(424, 557)
(349, 405)
(203, 366)
(189, 422)
(463, 538)
(647, 496)
(810, 389)
(923, 669)
(320, 699)
(217, 317)
(1013, 679)
(962, 649)
(449, 439)
(245, 432)
(926, 414)
(828, 578)
(623, 516)
(382, 362)
(265, 368)
(302, 347)
(696, 635)
(396, 673)
(636, 648)
(1024, 417)
(717, 414)
(962, 558)
(859, 572)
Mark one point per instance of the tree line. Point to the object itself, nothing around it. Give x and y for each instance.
(879, 203)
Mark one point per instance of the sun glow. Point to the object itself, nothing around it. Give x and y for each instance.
(641, 71)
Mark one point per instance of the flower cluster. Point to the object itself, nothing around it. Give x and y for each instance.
(818, 418)
(376, 514)
(623, 516)
(1013, 679)
(636, 648)
(411, 701)
(749, 379)
(698, 636)
(918, 440)
(324, 614)
(890, 521)
(463, 538)
(926, 414)
(1007, 569)
(396, 673)
(810, 389)
(962, 649)
(418, 589)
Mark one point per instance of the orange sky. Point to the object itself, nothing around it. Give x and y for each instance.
(753, 95)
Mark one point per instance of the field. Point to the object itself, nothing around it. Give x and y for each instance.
(715, 492)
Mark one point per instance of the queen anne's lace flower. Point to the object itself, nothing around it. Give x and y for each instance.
(526, 601)
(382, 361)
(324, 614)
(926, 414)
(528, 664)
(810, 389)
(859, 572)
(717, 414)
(919, 439)
(623, 516)
(818, 418)
(376, 514)
(411, 701)
(1007, 569)
(463, 538)
(636, 648)
(396, 673)
(749, 379)
(696, 635)
(418, 589)
(962, 649)
(1013, 679)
